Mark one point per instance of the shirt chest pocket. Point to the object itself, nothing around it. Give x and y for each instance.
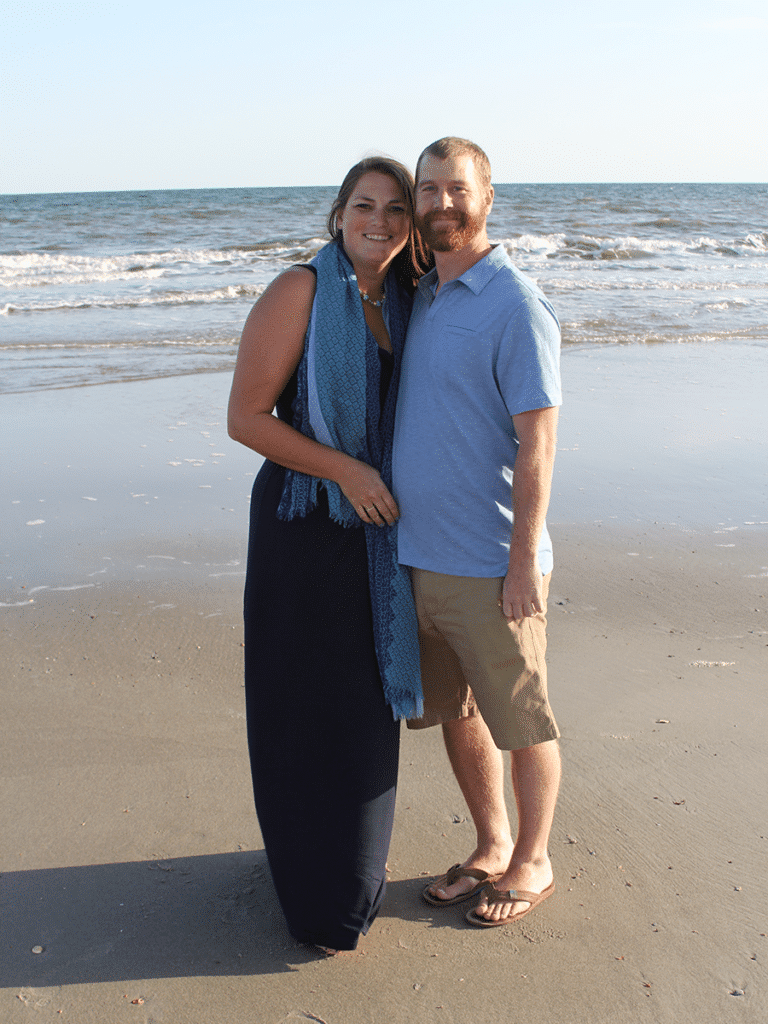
(459, 355)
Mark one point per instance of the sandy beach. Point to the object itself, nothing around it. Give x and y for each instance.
(134, 882)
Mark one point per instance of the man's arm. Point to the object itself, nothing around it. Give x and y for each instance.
(531, 485)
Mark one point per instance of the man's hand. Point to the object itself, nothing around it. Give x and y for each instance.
(522, 595)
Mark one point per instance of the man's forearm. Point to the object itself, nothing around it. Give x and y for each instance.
(531, 489)
(522, 593)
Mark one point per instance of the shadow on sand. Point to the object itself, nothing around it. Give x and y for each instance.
(214, 915)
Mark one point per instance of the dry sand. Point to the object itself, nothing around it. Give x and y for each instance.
(130, 850)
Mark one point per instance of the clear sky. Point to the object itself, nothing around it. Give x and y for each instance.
(164, 94)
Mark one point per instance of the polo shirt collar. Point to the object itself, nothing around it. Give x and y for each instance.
(478, 275)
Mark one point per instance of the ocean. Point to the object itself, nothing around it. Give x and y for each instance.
(118, 286)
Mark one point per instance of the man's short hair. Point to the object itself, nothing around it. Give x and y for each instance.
(451, 146)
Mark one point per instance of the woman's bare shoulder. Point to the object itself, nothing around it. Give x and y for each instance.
(296, 282)
(285, 303)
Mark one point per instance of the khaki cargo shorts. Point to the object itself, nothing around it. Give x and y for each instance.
(474, 662)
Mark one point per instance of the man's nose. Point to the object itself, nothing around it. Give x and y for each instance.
(442, 199)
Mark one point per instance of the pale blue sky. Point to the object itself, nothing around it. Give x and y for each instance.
(165, 94)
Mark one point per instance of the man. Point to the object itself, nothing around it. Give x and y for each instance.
(477, 409)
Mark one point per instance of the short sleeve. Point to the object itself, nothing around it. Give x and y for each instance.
(528, 358)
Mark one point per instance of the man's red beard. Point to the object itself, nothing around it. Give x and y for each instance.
(449, 238)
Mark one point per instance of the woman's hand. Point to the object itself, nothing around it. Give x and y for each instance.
(368, 494)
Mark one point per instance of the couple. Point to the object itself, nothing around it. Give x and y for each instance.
(434, 610)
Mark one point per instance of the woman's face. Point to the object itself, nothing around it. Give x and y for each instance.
(375, 221)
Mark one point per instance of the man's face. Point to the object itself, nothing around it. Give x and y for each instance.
(451, 202)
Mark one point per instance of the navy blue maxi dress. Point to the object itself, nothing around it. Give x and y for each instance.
(323, 743)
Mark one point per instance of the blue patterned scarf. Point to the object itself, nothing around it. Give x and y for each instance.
(338, 404)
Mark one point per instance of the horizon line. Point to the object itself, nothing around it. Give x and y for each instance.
(240, 188)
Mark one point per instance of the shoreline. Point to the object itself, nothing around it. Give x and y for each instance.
(131, 853)
(100, 478)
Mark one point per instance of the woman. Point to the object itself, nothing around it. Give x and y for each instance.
(331, 657)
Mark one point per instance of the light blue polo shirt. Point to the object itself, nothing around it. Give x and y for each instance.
(485, 348)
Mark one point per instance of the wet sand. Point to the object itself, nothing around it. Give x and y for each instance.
(130, 850)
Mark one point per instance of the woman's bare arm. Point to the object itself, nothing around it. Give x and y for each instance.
(270, 349)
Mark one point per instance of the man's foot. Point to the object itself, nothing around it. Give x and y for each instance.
(499, 907)
(449, 881)
(446, 890)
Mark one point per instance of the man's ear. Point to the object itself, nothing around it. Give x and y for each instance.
(490, 199)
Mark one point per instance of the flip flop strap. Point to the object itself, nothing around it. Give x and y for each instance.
(494, 895)
(457, 871)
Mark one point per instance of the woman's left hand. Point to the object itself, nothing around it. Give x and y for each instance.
(368, 494)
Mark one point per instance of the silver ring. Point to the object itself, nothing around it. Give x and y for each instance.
(367, 508)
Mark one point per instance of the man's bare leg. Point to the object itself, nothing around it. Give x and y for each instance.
(536, 780)
(479, 769)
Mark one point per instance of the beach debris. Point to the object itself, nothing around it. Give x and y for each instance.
(678, 803)
(38, 949)
(302, 1015)
(416, 987)
(662, 721)
(711, 664)
(570, 839)
(35, 522)
(27, 996)
(737, 992)
(138, 1001)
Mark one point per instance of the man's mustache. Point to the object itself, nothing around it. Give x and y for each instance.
(443, 215)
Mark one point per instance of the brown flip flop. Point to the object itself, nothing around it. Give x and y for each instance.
(451, 876)
(496, 896)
